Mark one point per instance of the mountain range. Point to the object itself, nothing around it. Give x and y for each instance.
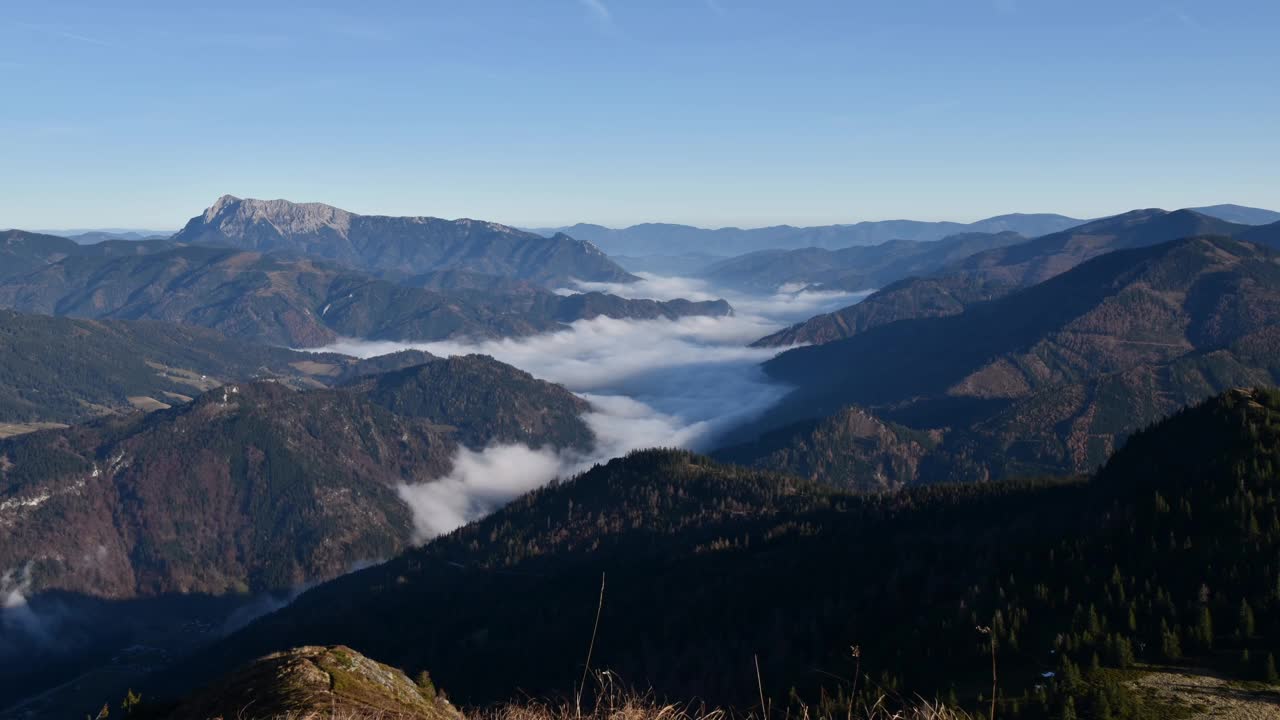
(398, 244)
(985, 275)
(861, 267)
(670, 239)
(1046, 379)
(998, 438)
(674, 240)
(90, 236)
(284, 299)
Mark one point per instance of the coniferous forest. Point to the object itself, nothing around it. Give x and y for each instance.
(1168, 555)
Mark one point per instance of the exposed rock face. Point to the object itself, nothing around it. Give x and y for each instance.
(331, 682)
(401, 244)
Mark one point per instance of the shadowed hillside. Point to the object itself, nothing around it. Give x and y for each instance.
(1052, 377)
(946, 289)
(745, 563)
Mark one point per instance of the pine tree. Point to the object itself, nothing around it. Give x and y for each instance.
(1246, 624)
(1170, 646)
(1204, 629)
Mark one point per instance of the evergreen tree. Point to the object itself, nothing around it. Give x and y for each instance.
(1246, 621)
(1204, 629)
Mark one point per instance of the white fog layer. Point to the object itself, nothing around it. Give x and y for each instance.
(670, 383)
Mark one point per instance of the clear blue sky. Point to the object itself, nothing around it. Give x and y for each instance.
(711, 112)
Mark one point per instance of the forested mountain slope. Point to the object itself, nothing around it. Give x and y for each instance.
(67, 370)
(1168, 552)
(256, 487)
(861, 267)
(948, 288)
(1148, 306)
(299, 302)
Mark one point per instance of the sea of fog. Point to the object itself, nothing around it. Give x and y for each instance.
(651, 383)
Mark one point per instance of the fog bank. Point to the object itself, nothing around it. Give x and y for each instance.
(670, 383)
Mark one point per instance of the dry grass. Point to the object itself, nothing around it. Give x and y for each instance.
(12, 429)
(613, 702)
(636, 706)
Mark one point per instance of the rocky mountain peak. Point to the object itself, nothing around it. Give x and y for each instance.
(231, 213)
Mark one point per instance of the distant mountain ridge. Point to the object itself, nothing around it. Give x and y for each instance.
(861, 267)
(97, 236)
(286, 300)
(672, 239)
(1044, 257)
(992, 273)
(403, 244)
(1240, 214)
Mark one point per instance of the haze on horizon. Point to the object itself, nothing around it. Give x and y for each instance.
(706, 112)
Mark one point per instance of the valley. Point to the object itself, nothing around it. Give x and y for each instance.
(266, 433)
(619, 360)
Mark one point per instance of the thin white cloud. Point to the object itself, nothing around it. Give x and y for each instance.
(598, 10)
(69, 35)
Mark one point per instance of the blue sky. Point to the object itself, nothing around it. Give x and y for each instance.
(710, 112)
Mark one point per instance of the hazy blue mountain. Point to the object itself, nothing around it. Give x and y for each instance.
(670, 239)
(96, 236)
(88, 236)
(22, 251)
(410, 245)
(860, 267)
(1240, 214)
(1050, 255)
(981, 276)
(685, 264)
